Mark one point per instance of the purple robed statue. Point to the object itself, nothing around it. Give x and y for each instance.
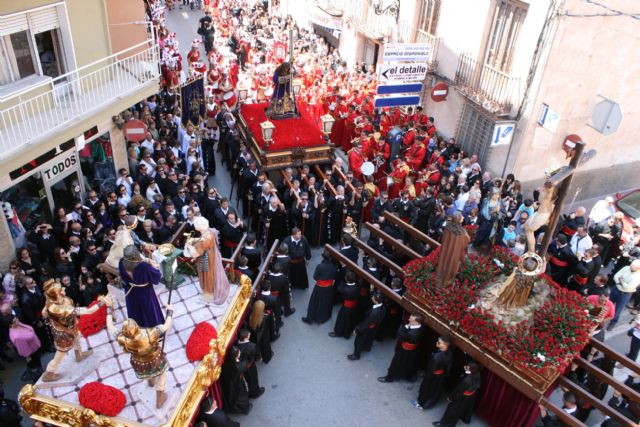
(138, 278)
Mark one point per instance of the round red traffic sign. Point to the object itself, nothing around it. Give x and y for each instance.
(439, 92)
(135, 130)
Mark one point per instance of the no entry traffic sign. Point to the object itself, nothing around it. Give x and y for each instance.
(439, 92)
(135, 130)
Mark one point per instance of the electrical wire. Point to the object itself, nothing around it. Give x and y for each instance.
(614, 12)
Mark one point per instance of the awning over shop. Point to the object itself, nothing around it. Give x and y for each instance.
(329, 19)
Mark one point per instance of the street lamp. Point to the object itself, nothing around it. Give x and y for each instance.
(327, 123)
(296, 87)
(267, 132)
(242, 93)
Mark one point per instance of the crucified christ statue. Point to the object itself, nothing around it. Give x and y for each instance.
(541, 217)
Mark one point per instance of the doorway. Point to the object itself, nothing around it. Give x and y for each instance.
(66, 191)
(371, 52)
(50, 53)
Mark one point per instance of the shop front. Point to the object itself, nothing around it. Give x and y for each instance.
(31, 193)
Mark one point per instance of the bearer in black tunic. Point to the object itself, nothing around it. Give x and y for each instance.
(438, 369)
(462, 399)
(404, 362)
(336, 211)
(561, 261)
(260, 203)
(366, 330)
(252, 253)
(231, 234)
(235, 394)
(394, 318)
(282, 257)
(300, 254)
(271, 308)
(303, 215)
(280, 288)
(321, 301)
(347, 316)
(243, 268)
(248, 354)
(248, 178)
(274, 222)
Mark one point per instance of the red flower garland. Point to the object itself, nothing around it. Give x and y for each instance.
(558, 331)
(91, 324)
(198, 342)
(102, 398)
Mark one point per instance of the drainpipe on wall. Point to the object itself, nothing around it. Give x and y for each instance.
(543, 39)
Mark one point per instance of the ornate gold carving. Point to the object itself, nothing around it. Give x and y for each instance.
(58, 412)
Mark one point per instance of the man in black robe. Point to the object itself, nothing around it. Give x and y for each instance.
(247, 179)
(273, 222)
(261, 199)
(303, 215)
(561, 261)
(336, 214)
(271, 308)
(280, 288)
(321, 301)
(437, 372)
(462, 399)
(213, 416)
(393, 320)
(581, 273)
(404, 362)
(235, 393)
(347, 316)
(243, 267)
(381, 205)
(231, 234)
(300, 254)
(367, 328)
(252, 253)
(248, 354)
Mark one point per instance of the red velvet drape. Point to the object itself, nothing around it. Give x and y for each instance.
(502, 405)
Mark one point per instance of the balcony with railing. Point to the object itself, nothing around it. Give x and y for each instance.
(493, 90)
(363, 16)
(39, 111)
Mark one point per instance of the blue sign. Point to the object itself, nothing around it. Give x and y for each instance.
(396, 101)
(403, 88)
(503, 133)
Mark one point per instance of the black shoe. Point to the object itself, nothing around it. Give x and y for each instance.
(293, 310)
(260, 393)
(385, 380)
(275, 337)
(332, 334)
(306, 320)
(280, 324)
(249, 409)
(353, 357)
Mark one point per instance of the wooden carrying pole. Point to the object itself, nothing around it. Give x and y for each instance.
(414, 232)
(266, 263)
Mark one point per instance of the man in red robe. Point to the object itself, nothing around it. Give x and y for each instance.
(399, 174)
(355, 162)
(349, 128)
(194, 54)
(415, 155)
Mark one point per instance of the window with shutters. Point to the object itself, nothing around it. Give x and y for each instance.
(30, 44)
(508, 18)
(428, 16)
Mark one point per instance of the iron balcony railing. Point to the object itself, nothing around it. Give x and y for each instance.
(40, 110)
(362, 15)
(493, 90)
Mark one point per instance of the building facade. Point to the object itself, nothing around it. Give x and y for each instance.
(71, 66)
(522, 75)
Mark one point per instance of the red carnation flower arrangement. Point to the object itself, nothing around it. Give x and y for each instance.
(559, 329)
(102, 398)
(91, 324)
(198, 342)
